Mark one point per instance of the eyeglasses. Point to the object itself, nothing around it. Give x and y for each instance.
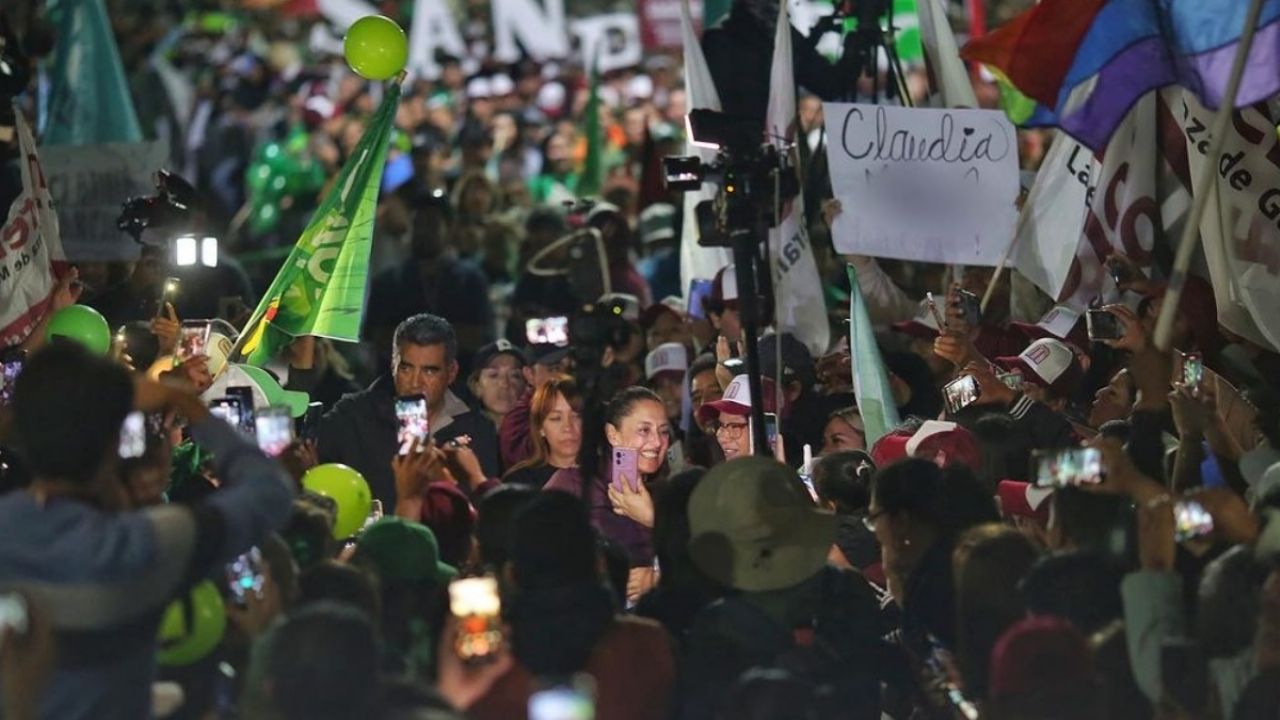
(731, 429)
(870, 520)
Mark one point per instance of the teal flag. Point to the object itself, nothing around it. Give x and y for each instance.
(89, 102)
(870, 379)
(320, 289)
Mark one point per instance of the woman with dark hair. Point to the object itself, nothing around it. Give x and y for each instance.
(621, 506)
(555, 421)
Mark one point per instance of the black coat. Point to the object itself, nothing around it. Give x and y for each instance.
(360, 431)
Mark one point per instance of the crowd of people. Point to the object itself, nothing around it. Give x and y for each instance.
(513, 500)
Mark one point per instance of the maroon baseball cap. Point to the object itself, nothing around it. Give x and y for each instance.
(448, 512)
(1039, 655)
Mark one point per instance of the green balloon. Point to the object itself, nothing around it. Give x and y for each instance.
(82, 324)
(192, 626)
(258, 175)
(376, 48)
(265, 217)
(348, 489)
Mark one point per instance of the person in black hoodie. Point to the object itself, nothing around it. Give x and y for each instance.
(361, 430)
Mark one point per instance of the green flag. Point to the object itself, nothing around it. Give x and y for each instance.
(89, 100)
(592, 177)
(870, 379)
(320, 289)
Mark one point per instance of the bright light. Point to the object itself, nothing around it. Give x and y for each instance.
(184, 251)
(209, 252)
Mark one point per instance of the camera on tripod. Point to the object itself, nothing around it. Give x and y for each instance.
(754, 177)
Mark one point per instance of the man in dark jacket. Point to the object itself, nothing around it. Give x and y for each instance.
(361, 430)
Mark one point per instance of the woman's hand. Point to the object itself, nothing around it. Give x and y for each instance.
(640, 580)
(991, 390)
(463, 463)
(1135, 339)
(831, 209)
(165, 327)
(958, 348)
(635, 504)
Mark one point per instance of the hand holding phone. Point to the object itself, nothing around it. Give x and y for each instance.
(244, 576)
(274, 429)
(133, 435)
(625, 467)
(969, 306)
(1191, 521)
(193, 339)
(1192, 372)
(547, 331)
(228, 409)
(1103, 325)
(961, 393)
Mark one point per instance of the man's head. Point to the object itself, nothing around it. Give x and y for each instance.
(68, 406)
(424, 359)
(1050, 371)
(703, 386)
(1113, 401)
(664, 370)
(722, 305)
(324, 663)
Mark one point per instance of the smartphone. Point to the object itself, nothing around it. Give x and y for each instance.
(771, 431)
(699, 291)
(561, 703)
(626, 464)
(961, 393)
(309, 423)
(133, 435)
(1192, 371)
(13, 614)
(193, 339)
(970, 307)
(477, 606)
(1068, 467)
(1191, 521)
(933, 309)
(411, 414)
(274, 429)
(244, 394)
(228, 409)
(168, 293)
(9, 372)
(1013, 381)
(244, 575)
(1120, 272)
(547, 331)
(1103, 325)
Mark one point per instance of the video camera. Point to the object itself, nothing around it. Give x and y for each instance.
(753, 177)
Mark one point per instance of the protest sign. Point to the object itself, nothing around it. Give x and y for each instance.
(28, 246)
(89, 183)
(922, 184)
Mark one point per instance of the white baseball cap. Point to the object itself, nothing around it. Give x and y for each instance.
(725, 286)
(1049, 363)
(737, 399)
(666, 358)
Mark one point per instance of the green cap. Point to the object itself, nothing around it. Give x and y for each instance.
(753, 526)
(403, 550)
(295, 400)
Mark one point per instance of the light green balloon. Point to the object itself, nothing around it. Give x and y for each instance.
(192, 626)
(376, 48)
(348, 489)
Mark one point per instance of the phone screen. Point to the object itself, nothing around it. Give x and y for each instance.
(1103, 325)
(1013, 381)
(625, 465)
(9, 372)
(193, 340)
(1065, 468)
(1191, 521)
(274, 430)
(699, 290)
(561, 703)
(244, 394)
(477, 606)
(1192, 371)
(547, 331)
(244, 575)
(309, 423)
(771, 430)
(228, 409)
(13, 613)
(411, 415)
(961, 393)
(133, 435)
(970, 307)
(168, 292)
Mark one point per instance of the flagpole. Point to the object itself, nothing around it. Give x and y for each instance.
(995, 276)
(1206, 183)
(777, 309)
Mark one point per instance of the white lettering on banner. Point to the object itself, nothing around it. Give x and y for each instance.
(612, 39)
(923, 184)
(540, 33)
(1051, 223)
(89, 182)
(29, 244)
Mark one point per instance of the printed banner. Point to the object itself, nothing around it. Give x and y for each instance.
(923, 184)
(29, 244)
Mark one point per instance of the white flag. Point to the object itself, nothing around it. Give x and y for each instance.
(949, 77)
(29, 245)
(800, 307)
(1052, 219)
(697, 262)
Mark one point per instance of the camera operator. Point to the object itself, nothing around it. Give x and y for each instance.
(739, 51)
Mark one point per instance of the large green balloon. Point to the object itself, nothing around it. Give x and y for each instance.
(376, 47)
(82, 324)
(192, 626)
(348, 489)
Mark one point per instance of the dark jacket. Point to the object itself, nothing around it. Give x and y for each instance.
(360, 431)
(636, 538)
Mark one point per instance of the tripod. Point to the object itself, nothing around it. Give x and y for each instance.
(861, 48)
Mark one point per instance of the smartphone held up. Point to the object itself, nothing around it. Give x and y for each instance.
(411, 419)
(477, 606)
(1068, 467)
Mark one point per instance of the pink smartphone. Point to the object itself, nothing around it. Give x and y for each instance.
(626, 464)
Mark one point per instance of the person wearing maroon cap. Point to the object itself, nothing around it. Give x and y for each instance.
(1043, 662)
(1049, 369)
(730, 416)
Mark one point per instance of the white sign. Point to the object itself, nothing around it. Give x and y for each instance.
(28, 246)
(922, 184)
(89, 184)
